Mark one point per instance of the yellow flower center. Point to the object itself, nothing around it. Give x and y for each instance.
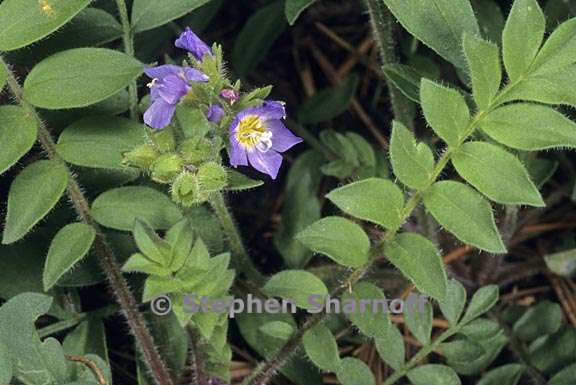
(251, 133)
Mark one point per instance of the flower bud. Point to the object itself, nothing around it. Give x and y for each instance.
(195, 150)
(166, 168)
(186, 190)
(212, 177)
(231, 95)
(164, 140)
(142, 156)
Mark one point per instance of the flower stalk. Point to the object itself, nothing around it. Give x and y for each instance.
(128, 41)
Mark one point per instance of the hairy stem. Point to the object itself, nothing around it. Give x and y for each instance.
(105, 252)
(199, 376)
(241, 258)
(128, 41)
(383, 31)
(264, 373)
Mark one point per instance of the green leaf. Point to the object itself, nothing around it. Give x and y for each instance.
(68, 247)
(338, 238)
(412, 163)
(549, 88)
(504, 375)
(26, 21)
(530, 127)
(320, 346)
(5, 364)
(445, 110)
(465, 213)
(352, 371)
(562, 263)
(559, 51)
(439, 24)
(34, 192)
(496, 173)
(328, 104)
(37, 362)
(419, 321)
(564, 377)
(240, 182)
(522, 37)
(79, 77)
(148, 14)
(92, 27)
(100, 141)
(390, 347)
(453, 304)
(118, 208)
(461, 351)
(483, 59)
(376, 200)
(542, 319)
(278, 329)
(405, 78)
(296, 285)
(419, 260)
(433, 374)
(481, 329)
(151, 245)
(371, 320)
(257, 37)
(482, 301)
(18, 132)
(294, 8)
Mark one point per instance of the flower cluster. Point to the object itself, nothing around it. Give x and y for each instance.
(253, 127)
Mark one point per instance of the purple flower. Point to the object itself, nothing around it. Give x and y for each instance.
(192, 43)
(258, 136)
(215, 113)
(215, 381)
(169, 85)
(230, 94)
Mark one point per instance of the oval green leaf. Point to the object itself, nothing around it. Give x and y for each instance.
(32, 195)
(79, 77)
(352, 371)
(522, 37)
(465, 213)
(419, 260)
(148, 14)
(445, 110)
(481, 302)
(338, 238)
(496, 173)
(26, 21)
(530, 127)
(68, 247)
(298, 286)
(321, 347)
(18, 132)
(413, 163)
(433, 374)
(118, 208)
(376, 200)
(294, 8)
(100, 141)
